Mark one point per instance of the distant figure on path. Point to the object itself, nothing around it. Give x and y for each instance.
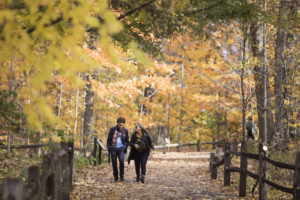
(117, 143)
(141, 146)
(250, 129)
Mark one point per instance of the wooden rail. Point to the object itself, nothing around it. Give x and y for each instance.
(53, 179)
(99, 146)
(198, 144)
(216, 162)
(23, 146)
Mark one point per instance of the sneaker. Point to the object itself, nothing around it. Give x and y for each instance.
(122, 179)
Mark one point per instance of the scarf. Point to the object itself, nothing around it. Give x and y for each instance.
(115, 137)
(139, 135)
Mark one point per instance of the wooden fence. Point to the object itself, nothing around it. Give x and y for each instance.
(198, 144)
(100, 147)
(52, 179)
(262, 160)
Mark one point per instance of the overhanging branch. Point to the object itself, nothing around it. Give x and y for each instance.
(203, 9)
(135, 9)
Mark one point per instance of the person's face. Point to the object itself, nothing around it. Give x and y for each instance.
(120, 125)
(137, 128)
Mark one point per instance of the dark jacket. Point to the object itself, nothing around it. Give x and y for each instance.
(148, 142)
(125, 140)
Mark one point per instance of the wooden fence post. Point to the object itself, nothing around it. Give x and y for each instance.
(213, 143)
(262, 174)
(71, 162)
(95, 151)
(243, 168)
(50, 144)
(198, 145)
(226, 165)
(13, 189)
(33, 188)
(296, 185)
(51, 188)
(57, 177)
(100, 154)
(213, 169)
(65, 173)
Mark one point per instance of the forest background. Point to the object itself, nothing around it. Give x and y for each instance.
(188, 70)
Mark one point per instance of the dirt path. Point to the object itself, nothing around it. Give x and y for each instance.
(171, 176)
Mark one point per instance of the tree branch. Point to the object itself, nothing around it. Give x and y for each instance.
(136, 9)
(53, 22)
(203, 9)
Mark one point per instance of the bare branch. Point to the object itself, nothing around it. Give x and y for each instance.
(203, 9)
(136, 9)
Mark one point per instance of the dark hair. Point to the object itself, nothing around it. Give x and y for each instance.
(249, 118)
(121, 120)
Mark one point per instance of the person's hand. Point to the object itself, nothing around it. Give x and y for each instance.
(136, 146)
(151, 152)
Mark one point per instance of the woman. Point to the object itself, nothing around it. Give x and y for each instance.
(141, 145)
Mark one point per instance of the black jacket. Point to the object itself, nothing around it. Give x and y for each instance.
(110, 136)
(148, 142)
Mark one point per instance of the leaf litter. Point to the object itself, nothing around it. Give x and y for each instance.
(169, 176)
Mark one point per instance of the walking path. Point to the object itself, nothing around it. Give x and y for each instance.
(169, 176)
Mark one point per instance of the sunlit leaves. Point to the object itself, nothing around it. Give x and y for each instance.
(49, 36)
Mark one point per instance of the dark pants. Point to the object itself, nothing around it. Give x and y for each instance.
(117, 153)
(250, 135)
(140, 161)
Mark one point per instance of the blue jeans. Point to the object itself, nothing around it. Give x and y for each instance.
(117, 153)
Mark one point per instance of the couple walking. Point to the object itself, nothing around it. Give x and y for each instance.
(140, 143)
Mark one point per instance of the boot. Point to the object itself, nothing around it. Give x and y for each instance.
(122, 178)
(143, 179)
(138, 178)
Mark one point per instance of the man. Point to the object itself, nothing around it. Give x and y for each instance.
(117, 143)
(250, 129)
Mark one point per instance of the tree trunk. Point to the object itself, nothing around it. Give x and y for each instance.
(256, 33)
(60, 93)
(169, 115)
(76, 112)
(70, 111)
(264, 109)
(283, 60)
(88, 113)
(279, 75)
(10, 99)
(244, 106)
(181, 107)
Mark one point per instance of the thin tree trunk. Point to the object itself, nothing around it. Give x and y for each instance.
(76, 113)
(60, 92)
(82, 117)
(10, 99)
(88, 113)
(226, 126)
(181, 107)
(142, 106)
(169, 115)
(70, 112)
(244, 106)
